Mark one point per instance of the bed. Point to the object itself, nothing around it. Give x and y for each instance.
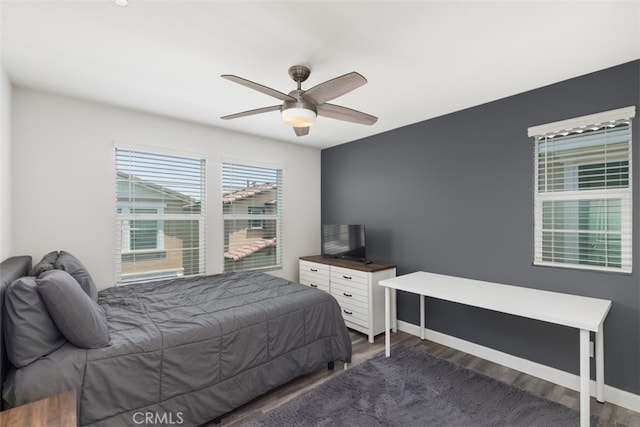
(185, 350)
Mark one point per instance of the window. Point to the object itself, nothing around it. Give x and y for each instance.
(138, 234)
(252, 216)
(583, 192)
(257, 224)
(144, 234)
(160, 217)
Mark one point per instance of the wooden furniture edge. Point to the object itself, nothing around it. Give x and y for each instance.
(351, 264)
(55, 411)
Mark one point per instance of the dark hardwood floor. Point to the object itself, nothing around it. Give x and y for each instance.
(609, 414)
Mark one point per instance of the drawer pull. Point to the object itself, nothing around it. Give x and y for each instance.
(312, 285)
(347, 295)
(347, 312)
(315, 270)
(347, 277)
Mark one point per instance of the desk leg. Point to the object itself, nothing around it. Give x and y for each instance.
(387, 321)
(394, 310)
(422, 298)
(600, 364)
(585, 416)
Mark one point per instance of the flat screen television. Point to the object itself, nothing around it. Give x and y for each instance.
(344, 241)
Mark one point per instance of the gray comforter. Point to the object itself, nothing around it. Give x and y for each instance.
(191, 350)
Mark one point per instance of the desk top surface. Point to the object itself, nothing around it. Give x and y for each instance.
(555, 307)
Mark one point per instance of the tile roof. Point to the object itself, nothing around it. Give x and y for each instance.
(246, 250)
(250, 191)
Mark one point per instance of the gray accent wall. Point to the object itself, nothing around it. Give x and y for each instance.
(454, 195)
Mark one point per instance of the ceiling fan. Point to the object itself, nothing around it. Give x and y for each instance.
(300, 107)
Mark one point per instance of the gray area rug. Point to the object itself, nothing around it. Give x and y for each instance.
(413, 388)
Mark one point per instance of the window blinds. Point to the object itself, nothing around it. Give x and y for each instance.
(583, 192)
(160, 215)
(252, 217)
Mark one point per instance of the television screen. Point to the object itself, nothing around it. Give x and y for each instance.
(343, 241)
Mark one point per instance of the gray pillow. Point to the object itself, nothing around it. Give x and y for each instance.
(47, 263)
(29, 331)
(80, 319)
(74, 267)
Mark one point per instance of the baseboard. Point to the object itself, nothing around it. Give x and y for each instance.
(571, 381)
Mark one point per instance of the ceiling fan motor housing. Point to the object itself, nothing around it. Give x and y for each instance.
(299, 73)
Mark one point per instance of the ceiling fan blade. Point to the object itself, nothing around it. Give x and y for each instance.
(251, 112)
(334, 88)
(347, 114)
(257, 86)
(301, 131)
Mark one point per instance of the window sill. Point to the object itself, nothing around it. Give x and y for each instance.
(584, 267)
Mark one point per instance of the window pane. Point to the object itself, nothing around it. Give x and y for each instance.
(600, 215)
(604, 175)
(179, 255)
(160, 201)
(595, 249)
(600, 249)
(144, 235)
(244, 186)
(584, 161)
(582, 232)
(251, 205)
(246, 247)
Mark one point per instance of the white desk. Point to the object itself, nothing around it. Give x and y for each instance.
(584, 313)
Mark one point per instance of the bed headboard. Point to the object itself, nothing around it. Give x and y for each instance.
(10, 270)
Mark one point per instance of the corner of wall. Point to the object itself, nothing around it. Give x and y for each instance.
(5, 165)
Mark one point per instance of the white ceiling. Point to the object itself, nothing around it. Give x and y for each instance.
(422, 59)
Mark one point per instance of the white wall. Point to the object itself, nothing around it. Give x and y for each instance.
(5, 166)
(64, 178)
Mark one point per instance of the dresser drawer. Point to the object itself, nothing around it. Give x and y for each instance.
(350, 281)
(350, 275)
(315, 284)
(315, 275)
(353, 312)
(313, 268)
(361, 306)
(351, 291)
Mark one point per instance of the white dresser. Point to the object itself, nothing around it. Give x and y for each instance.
(355, 286)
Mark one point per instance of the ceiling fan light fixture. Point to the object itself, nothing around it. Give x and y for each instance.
(298, 117)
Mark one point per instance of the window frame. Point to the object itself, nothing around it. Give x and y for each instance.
(595, 122)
